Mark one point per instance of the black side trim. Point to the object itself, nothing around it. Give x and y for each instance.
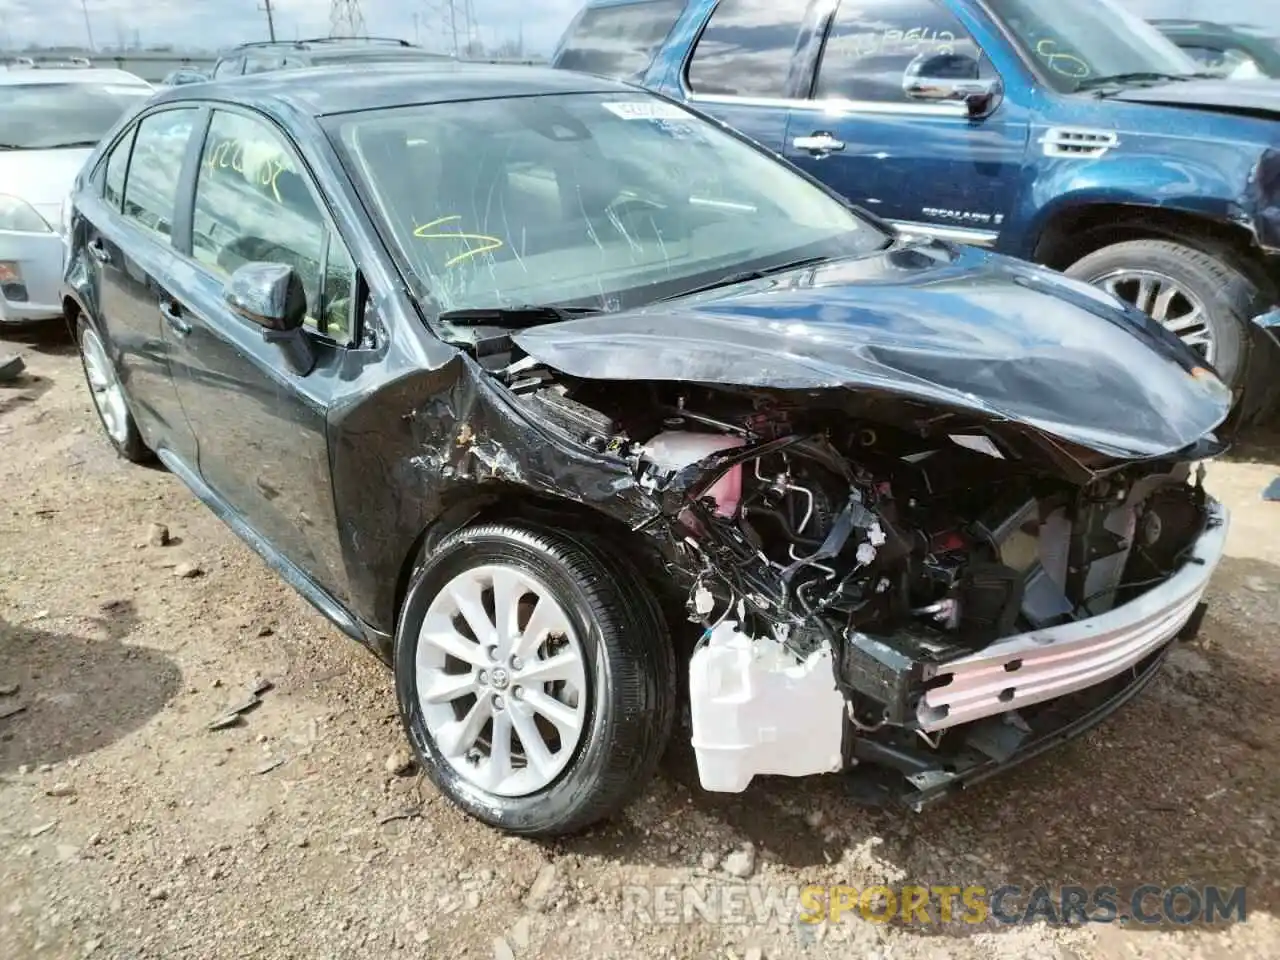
(332, 610)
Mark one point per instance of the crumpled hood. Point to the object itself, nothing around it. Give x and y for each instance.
(956, 327)
(43, 178)
(1227, 96)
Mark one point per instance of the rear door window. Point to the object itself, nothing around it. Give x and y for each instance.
(618, 40)
(151, 189)
(747, 48)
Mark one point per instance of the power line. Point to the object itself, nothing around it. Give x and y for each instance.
(271, 21)
(346, 19)
(88, 28)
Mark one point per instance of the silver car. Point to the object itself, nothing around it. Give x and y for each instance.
(50, 121)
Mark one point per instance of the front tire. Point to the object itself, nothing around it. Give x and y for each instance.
(535, 677)
(1199, 296)
(107, 393)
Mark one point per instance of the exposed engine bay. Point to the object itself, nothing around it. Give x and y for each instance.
(810, 543)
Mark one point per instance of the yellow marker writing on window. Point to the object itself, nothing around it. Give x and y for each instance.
(487, 243)
(229, 155)
(270, 172)
(1066, 64)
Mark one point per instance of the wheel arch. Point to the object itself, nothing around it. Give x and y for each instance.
(1074, 232)
(511, 504)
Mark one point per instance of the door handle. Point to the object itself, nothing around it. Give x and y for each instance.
(172, 314)
(98, 250)
(818, 143)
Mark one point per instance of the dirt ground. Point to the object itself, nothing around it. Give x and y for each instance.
(130, 829)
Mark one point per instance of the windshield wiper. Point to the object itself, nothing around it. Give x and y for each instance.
(1120, 79)
(747, 275)
(529, 315)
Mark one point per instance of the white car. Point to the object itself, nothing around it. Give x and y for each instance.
(50, 121)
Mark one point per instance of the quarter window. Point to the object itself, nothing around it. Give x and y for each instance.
(117, 165)
(151, 190)
(252, 203)
(747, 48)
(619, 40)
(872, 42)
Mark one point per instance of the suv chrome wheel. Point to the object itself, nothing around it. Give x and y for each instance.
(1166, 301)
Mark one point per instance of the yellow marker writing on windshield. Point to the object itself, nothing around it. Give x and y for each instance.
(488, 243)
(1064, 63)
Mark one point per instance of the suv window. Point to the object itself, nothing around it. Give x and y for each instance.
(117, 165)
(228, 68)
(252, 203)
(747, 47)
(1223, 61)
(872, 42)
(159, 147)
(261, 64)
(619, 40)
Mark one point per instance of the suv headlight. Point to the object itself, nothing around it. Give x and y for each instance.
(18, 215)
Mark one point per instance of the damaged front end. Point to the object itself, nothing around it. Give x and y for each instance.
(893, 584)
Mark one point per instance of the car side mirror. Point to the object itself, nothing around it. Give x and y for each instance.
(952, 78)
(272, 296)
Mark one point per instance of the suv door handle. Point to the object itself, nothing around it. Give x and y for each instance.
(819, 143)
(98, 250)
(172, 314)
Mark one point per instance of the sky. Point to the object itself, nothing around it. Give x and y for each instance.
(219, 23)
(212, 24)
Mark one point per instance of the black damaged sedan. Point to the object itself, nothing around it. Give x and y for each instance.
(604, 428)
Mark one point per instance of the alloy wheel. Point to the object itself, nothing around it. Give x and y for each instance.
(501, 680)
(104, 385)
(1167, 302)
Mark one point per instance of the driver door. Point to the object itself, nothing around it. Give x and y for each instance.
(262, 429)
(924, 165)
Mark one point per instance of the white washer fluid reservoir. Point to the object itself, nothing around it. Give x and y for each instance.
(758, 711)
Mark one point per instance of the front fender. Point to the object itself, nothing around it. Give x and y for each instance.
(1214, 181)
(77, 284)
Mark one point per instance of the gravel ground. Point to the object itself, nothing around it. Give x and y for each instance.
(130, 829)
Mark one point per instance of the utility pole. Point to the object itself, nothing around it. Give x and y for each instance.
(453, 25)
(271, 20)
(88, 28)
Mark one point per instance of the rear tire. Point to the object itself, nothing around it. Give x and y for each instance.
(603, 725)
(1200, 296)
(108, 396)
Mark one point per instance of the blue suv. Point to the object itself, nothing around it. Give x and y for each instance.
(1070, 133)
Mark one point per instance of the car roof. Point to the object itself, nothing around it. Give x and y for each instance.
(71, 75)
(1196, 26)
(325, 43)
(346, 88)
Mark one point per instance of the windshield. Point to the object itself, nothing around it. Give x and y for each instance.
(44, 116)
(1079, 43)
(602, 200)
